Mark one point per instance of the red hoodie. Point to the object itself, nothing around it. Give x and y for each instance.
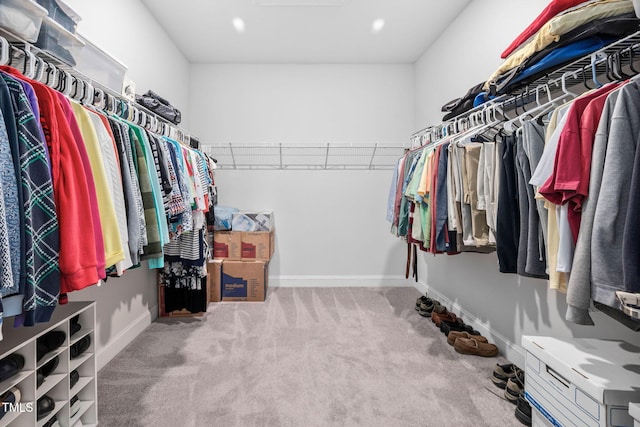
(552, 9)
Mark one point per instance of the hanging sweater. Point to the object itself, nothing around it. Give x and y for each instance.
(153, 248)
(113, 251)
(83, 218)
(154, 204)
(133, 199)
(607, 257)
(12, 305)
(579, 287)
(11, 211)
(114, 182)
(41, 223)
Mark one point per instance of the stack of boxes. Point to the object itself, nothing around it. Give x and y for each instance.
(239, 270)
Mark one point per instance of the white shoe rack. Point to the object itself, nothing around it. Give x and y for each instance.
(23, 341)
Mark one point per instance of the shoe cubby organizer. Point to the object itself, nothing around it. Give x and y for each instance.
(48, 372)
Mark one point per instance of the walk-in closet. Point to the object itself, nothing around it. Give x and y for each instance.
(319, 213)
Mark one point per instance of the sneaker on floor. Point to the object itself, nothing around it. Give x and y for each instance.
(420, 300)
(523, 410)
(427, 306)
(502, 373)
(514, 387)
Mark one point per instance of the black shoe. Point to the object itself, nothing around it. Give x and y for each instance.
(80, 347)
(446, 326)
(75, 328)
(11, 396)
(39, 380)
(46, 405)
(49, 367)
(74, 376)
(11, 365)
(523, 410)
(49, 342)
(74, 406)
(52, 422)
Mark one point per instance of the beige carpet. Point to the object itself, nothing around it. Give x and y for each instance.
(305, 357)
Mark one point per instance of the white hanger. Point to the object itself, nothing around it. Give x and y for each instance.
(88, 95)
(29, 63)
(6, 51)
(563, 81)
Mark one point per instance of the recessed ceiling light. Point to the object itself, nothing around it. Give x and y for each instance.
(238, 24)
(299, 2)
(377, 25)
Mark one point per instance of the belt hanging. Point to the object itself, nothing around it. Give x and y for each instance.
(415, 262)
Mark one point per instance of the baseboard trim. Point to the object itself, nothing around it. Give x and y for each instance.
(118, 343)
(513, 352)
(337, 281)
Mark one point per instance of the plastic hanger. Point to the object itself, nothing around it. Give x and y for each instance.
(5, 55)
(617, 60)
(29, 64)
(98, 98)
(89, 91)
(584, 80)
(563, 82)
(69, 83)
(632, 59)
(40, 69)
(74, 89)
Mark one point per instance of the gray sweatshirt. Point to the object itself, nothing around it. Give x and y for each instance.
(579, 287)
(612, 206)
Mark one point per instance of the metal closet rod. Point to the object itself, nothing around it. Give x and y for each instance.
(578, 69)
(75, 85)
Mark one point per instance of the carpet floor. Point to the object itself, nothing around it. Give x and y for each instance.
(305, 357)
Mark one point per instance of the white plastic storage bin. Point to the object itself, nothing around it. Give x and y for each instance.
(634, 411)
(98, 65)
(22, 18)
(62, 13)
(59, 42)
(581, 382)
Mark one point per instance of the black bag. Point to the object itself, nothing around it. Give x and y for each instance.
(154, 102)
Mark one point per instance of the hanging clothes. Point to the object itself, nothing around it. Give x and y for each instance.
(41, 263)
(113, 249)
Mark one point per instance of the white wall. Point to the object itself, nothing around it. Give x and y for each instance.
(329, 223)
(507, 305)
(126, 30)
(467, 53)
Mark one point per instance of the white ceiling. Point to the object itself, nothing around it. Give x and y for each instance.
(302, 31)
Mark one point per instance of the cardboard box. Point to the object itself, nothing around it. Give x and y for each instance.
(252, 221)
(244, 280)
(257, 245)
(214, 276)
(227, 245)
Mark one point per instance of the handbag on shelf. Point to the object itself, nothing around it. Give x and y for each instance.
(154, 102)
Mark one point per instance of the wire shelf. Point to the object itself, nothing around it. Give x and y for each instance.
(331, 156)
